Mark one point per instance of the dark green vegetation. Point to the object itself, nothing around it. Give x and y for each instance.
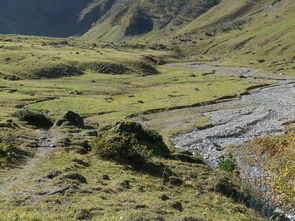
(130, 143)
(78, 181)
(36, 118)
(227, 163)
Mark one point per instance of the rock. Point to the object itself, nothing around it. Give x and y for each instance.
(227, 188)
(75, 176)
(64, 142)
(81, 150)
(187, 158)
(128, 127)
(186, 152)
(210, 34)
(144, 217)
(175, 181)
(177, 206)
(191, 219)
(125, 184)
(91, 133)
(279, 217)
(75, 92)
(140, 207)
(11, 78)
(52, 174)
(261, 60)
(141, 189)
(81, 162)
(82, 214)
(164, 197)
(71, 118)
(105, 177)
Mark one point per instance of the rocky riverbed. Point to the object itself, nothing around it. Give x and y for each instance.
(264, 112)
(261, 112)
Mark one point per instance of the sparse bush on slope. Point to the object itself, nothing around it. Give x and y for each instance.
(129, 143)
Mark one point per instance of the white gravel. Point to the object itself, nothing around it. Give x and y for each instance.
(263, 112)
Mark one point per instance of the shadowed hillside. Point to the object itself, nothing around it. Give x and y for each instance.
(74, 17)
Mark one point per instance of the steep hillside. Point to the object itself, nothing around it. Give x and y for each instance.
(117, 18)
(50, 18)
(262, 34)
(132, 18)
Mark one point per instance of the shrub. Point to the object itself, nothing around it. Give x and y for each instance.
(35, 118)
(149, 138)
(121, 149)
(227, 163)
(128, 142)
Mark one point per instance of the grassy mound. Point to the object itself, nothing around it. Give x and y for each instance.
(57, 71)
(35, 118)
(128, 142)
(144, 68)
(105, 67)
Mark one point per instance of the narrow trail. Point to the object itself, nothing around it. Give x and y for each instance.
(16, 181)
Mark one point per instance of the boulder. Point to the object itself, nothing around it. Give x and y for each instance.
(164, 197)
(75, 176)
(71, 118)
(177, 206)
(175, 181)
(82, 214)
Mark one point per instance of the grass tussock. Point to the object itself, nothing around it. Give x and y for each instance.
(33, 117)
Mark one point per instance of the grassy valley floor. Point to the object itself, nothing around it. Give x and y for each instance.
(62, 177)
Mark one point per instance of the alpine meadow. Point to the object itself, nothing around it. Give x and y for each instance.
(147, 110)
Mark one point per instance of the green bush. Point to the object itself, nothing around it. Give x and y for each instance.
(128, 142)
(35, 118)
(149, 138)
(227, 163)
(121, 149)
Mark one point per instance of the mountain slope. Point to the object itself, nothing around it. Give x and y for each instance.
(140, 17)
(50, 18)
(256, 30)
(75, 17)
